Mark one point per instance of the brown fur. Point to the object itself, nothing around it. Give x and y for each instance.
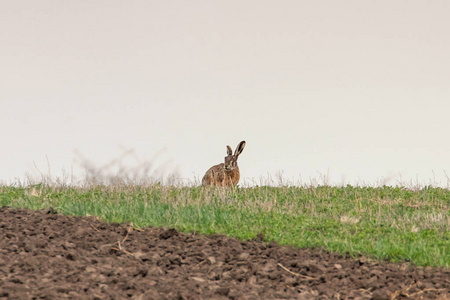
(225, 174)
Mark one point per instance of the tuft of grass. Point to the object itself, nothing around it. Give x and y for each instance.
(392, 223)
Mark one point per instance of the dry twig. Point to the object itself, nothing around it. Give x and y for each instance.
(366, 291)
(424, 291)
(296, 274)
(119, 243)
(94, 227)
(405, 292)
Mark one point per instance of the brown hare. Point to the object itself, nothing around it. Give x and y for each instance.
(225, 174)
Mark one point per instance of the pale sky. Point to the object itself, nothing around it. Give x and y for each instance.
(358, 91)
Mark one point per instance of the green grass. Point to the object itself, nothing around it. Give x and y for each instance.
(391, 223)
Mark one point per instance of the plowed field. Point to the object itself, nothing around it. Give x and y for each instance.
(46, 255)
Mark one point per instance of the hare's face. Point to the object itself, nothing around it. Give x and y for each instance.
(230, 162)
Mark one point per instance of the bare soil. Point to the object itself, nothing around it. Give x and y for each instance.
(46, 255)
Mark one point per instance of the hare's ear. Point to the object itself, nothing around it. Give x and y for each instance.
(239, 148)
(229, 150)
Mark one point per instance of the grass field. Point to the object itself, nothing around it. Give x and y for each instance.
(391, 223)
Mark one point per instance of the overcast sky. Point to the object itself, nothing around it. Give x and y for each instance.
(358, 91)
